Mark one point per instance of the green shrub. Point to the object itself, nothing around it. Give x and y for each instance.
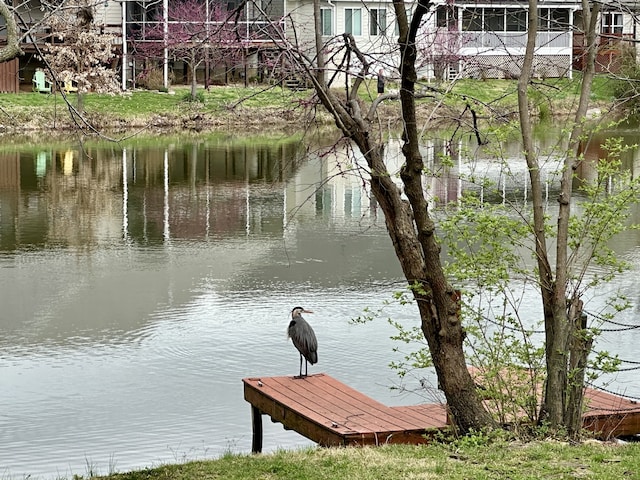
(186, 97)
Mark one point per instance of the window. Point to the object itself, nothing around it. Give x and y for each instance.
(543, 19)
(273, 10)
(353, 21)
(472, 20)
(577, 21)
(516, 20)
(612, 23)
(494, 19)
(377, 21)
(326, 20)
(447, 17)
(553, 19)
(559, 20)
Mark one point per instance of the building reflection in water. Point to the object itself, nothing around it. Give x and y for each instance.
(206, 189)
(199, 190)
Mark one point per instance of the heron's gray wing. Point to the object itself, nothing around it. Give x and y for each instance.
(304, 339)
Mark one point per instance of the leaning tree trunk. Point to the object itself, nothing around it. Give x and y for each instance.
(555, 355)
(320, 63)
(410, 226)
(576, 343)
(563, 324)
(438, 302)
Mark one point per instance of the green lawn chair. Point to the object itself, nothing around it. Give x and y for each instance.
(40, 83)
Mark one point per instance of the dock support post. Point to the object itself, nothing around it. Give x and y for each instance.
(256, 420)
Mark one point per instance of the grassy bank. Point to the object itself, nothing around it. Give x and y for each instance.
(467, 459)
(219, 107)
(258, 108)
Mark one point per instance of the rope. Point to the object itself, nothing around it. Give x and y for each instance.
(629, 369)
(617, 329)
(630, 397)
(627, 326)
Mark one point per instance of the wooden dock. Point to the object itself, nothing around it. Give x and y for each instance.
(331, 413)
(609, 415)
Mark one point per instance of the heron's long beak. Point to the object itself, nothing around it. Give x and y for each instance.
(307, 311)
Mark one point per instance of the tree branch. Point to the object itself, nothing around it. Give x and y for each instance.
(12, 48)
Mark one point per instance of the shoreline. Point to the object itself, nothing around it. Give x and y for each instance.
(235, 109)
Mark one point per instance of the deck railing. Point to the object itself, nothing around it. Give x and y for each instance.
(508, 40)
(254, 31)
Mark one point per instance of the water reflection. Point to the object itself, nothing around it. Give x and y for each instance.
(140, 284)
(88, 196)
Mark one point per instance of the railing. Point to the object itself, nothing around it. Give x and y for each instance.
(253, 31)
(509, 40)
(36, 37)
(614, 41)
(44, 35)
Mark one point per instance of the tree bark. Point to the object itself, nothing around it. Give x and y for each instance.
(580, 348)
(438, 302)
(551, 409)
(12, 48)
(410, 227)
(320, 63)
(193, 68)
(565, 347)
(578, 342)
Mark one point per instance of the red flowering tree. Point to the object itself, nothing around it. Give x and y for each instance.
(195, 32)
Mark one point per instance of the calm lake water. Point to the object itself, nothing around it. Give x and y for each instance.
(139, 285)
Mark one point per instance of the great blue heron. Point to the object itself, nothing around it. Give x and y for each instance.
(303, 337)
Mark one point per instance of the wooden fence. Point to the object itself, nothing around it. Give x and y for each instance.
(9, 79)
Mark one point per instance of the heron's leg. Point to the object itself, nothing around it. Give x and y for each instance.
(301, 365)
(305, 367)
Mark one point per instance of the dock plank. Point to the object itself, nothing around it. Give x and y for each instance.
(332, 410)
(349, 404)
(427, 413)
(335, 404)
(338, 404)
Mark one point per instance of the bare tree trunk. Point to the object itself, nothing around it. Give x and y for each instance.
(410, 227)
(194, 84)
(320, 63)
(580, 348)
(578, 341)
(562, 324)
(80, 101)
(207, 69)
(555, 354)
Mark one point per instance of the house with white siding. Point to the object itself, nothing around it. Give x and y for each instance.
(488, 39)
(465, 38)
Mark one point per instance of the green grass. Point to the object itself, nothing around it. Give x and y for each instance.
(142, 102)
(553, 88)
(458, 461)
(261, 104)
